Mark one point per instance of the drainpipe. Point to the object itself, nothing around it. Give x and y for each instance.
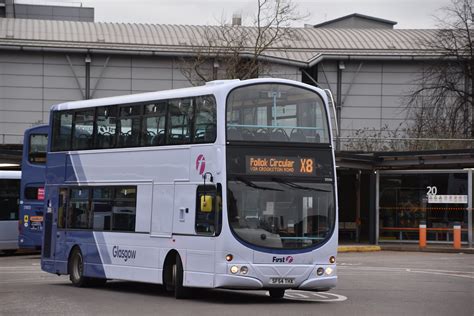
(340, 67)
(88, 77)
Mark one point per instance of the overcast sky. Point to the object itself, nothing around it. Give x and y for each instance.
(408, 13)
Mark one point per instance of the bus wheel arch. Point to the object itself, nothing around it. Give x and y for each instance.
(75, 266)
(75, 269)
(173, 275)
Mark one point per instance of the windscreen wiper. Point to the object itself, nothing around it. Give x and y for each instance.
(297, 186)
(253, 185)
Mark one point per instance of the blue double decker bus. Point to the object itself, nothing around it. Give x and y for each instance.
(33, 168)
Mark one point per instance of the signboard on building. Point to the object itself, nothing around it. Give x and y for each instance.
(447, 199)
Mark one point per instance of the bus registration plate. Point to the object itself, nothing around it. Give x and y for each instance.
(282, 281)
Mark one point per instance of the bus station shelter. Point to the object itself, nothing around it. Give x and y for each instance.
(384, 197)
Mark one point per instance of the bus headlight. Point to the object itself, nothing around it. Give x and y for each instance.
(328, 270)
(320, 271)
(244, 270)
(332, 259)
(234, 269)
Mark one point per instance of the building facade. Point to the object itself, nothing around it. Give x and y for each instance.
(369, 70)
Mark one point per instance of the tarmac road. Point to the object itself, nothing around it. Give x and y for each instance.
(373, 283)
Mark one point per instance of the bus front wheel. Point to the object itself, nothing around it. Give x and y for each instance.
(180, 291)
(76, 271)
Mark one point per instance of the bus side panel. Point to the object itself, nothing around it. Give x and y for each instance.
(56, 168)
(49, 232)
(8, 235)
(47, 235)
(31, 234)
(50, 223)
(162, 210)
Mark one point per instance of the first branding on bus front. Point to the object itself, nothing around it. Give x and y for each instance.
(124, 254)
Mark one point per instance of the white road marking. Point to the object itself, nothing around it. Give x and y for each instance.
(313, 296)
(461, 274)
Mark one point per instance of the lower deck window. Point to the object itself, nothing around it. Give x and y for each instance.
(98, 208)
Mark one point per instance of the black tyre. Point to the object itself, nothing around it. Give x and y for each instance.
(180, 292)
(76, 271)
(277, 293)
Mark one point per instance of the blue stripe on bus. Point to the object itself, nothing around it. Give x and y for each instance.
(86, 242)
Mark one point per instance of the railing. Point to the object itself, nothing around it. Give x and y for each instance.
(359, 143)
(4, 136)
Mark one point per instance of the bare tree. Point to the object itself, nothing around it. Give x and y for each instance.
(442, 104)
(231, 51)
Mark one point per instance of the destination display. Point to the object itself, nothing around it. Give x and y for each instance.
(279, 165)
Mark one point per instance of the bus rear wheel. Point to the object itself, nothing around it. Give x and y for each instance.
(277, 293)
(76, 271)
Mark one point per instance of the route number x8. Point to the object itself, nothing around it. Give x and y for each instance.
(306, 166)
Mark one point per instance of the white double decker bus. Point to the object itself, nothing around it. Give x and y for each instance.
(228, 185)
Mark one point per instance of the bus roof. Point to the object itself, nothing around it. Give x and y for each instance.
(8, 174)
(39, 128)
(211, 87)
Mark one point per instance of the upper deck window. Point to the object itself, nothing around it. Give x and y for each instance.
(276, 113)
(38, 148)
(184, 121)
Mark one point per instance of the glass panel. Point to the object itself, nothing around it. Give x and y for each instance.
(102, 201)
(439, 199)
(106, 127)
(62, 128)
(38, 148)
(280, 213)
(62, 207)
(206, 220)
(205, 121)
(9, 199)
(276, 112)
(180, 120)
(83, 129)
(129, 133)
(154, 124)
(124, 209)
(79, 215)
(129, 126)
(32, 192)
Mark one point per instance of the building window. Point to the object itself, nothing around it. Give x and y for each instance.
(437, 199)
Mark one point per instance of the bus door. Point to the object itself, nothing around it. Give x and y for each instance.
(197, 212)
(54, 216)
(184, 208)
